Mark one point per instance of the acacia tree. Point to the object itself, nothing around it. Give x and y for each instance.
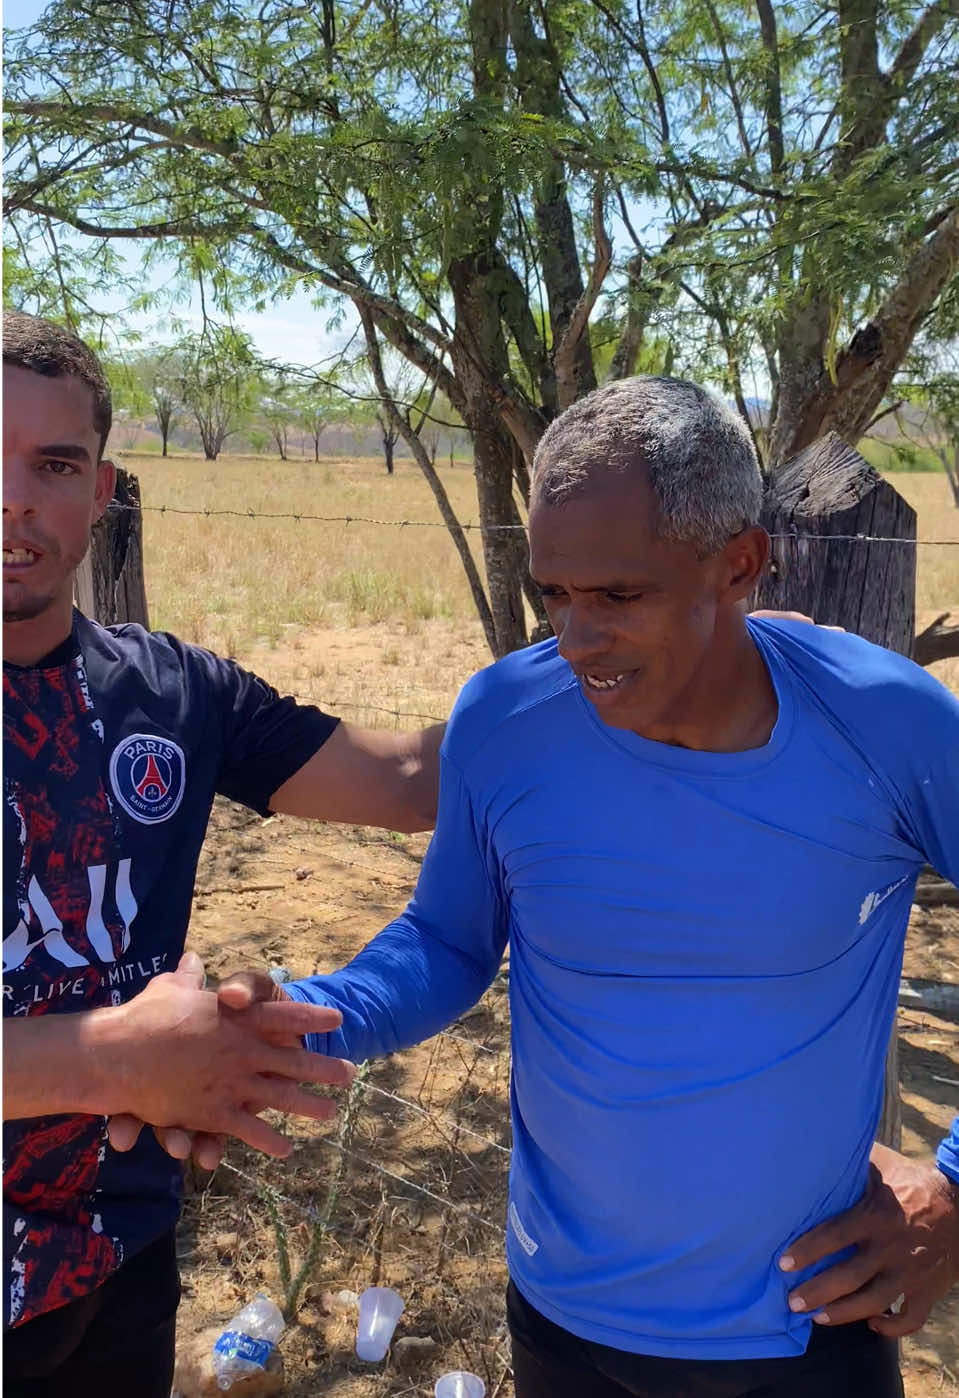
(315, 409)
(159, 372)
(217, 384)
(278, 411)
(503, 189)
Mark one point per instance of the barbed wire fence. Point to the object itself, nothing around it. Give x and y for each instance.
(375, 704)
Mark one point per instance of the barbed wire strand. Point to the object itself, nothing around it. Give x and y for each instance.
(310, 1215)
(301, 516)
(438, 1116)
(372, 708)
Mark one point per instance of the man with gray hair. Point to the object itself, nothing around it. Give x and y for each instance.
(699, 834)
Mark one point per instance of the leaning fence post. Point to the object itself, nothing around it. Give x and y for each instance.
(864, 584)
(110, 586)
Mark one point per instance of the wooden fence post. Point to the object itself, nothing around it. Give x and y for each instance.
(109, 584)
(866, 586)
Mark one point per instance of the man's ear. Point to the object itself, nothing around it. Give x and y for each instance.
(106, 483)
(746, 556)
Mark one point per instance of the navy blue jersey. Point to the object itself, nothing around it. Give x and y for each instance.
(114, 747)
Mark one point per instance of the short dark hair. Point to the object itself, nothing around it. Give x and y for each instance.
(49, 349)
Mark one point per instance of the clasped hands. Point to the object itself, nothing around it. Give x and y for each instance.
(200, 1066)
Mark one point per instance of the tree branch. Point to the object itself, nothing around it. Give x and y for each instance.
(405, 428)
(772, 80)
(564, 358)
(937, 642)
(914, 46)
(102, 111)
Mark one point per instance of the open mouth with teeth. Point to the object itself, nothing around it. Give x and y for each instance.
(18, 557)
(603, 684)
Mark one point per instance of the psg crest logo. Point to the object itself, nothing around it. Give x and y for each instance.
(148, 776)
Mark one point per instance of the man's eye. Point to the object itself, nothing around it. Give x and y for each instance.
(624, 596)
(60, 468)
(546, 591)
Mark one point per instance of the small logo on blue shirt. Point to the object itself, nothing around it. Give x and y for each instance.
(528, 1244)
(872, 900)
(148, 776)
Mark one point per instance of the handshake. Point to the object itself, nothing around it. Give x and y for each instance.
(199, 1066)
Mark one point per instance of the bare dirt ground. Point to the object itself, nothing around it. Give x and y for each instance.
(374, 623)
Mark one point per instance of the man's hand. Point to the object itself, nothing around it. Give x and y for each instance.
(208, 1063)
(238, 993)
(905, 1232)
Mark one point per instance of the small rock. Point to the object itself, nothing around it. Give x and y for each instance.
(344, 1301)
(412, 1350)
(302, 873)
(280, 974)
(226, 1244)
(194, 1376)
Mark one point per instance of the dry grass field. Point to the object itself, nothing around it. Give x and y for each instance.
(376, 622)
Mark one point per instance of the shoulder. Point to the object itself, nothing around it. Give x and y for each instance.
(161, 659)
(502, 694)
(866, 685)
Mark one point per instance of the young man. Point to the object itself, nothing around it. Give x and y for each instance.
(699, 835)
(115, 741)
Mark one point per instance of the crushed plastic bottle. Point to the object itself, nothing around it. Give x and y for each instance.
(248, 1341)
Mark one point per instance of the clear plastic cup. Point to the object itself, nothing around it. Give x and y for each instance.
(459, 1384)
(380, 1309)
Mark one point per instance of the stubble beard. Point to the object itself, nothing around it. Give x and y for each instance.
(26, 608)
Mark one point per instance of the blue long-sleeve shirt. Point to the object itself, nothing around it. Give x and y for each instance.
(705, 951)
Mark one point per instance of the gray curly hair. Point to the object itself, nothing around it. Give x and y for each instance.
(697, 452)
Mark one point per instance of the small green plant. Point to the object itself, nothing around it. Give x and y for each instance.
(293, 1285)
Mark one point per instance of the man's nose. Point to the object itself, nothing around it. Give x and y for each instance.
(19, 489)
(579, 637)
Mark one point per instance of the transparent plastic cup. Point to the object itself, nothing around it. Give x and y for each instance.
(380, 1309)
(459, 1384)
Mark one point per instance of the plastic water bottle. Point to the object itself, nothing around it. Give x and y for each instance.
(248, 1341)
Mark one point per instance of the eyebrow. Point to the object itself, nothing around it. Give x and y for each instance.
(614, 586)
(73, 451)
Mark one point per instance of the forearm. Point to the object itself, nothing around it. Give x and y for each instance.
(57, 1063)
(405, 986)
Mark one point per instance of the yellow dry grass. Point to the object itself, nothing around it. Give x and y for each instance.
(305, 600)
(228, 581)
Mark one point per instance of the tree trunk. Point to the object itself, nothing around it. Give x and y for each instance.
(110, 586)
(867, 587)
(480, 362)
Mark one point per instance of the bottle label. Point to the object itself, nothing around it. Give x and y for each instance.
(233, 1344)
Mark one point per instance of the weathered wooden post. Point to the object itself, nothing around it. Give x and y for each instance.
(848, 559)
(110, 585)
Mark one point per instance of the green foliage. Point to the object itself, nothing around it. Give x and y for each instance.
(770, 178)
(217, 382)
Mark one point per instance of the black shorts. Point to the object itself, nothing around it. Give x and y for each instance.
(849, 1361)
(118, 1340)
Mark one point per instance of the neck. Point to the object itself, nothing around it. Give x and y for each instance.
(730, 703)
(28, 641)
